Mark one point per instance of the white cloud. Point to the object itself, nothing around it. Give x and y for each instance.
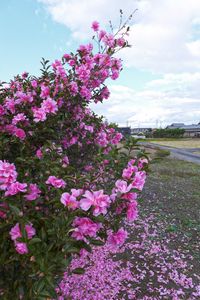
(160, 103)
(78, 15)
(164, 37)
(166, 40)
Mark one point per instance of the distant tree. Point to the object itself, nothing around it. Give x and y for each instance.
(168, 133)
(113, 125)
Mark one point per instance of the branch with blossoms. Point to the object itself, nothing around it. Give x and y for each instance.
(64, 184)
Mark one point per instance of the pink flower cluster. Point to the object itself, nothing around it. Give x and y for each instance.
(8, 177)
(8, 174)
(97, 200)
(70, 200)
(82, 75)
(133, 178)
(56, 182)
(49, 120)
(84, 227)
(15, 188)
(33, 192)
(15, 234)
(108, 136)
(48, 106)
(117, 238)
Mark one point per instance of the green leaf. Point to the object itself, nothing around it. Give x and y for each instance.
(71, 249)
(78, 271)
(49, 293)
(40, 285)
(97, 242)
(14, 209)
(34, 241)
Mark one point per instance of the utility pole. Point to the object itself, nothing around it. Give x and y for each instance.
(157, 123)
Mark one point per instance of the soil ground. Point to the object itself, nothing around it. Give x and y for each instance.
(171, 207)
(173, 190)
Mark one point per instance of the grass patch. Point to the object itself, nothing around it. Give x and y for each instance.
(161, 153)
(178, 143)
(197, 152)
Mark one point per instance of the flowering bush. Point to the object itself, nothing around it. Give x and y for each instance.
(64, 185)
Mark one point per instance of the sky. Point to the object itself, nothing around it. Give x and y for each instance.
(160, 81)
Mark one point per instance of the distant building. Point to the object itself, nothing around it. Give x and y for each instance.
(124, 130)
(192, 130)
(175, 125)
(135, 131)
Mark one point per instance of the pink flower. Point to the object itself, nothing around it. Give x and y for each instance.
(76, 192)
(113, 197)
(121, 42)
(2, 110)
(118, 238)
(15, 232)
(105, 93)
(102, 139)
(73, 140)
(65, 161)
(39, 114)
(115, 75)
(102, 33)
(59, 69)
(117, 138)
(56, 182)
(89, 128)
(34, 83)
(15, 188)
(10, 105)
(83, 73)
(21, 248)
(49, 106)
(39, 153)
(30, 230)
(131, 162)
(18, 118)
(128, 172)
(132, 211)
(142, 162)
(8, 174)
(98, 200)
(69, 201)
(73, 87)
(122, 186)
(44, 91)
(24, 74)
(20, 133)
(109, 41)
(129, 196)
(85, 93)
(67, 56)
(84, 227)
(139, 180)
(33, 192)
(95, 26)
